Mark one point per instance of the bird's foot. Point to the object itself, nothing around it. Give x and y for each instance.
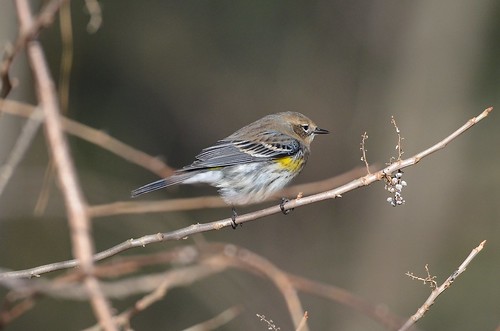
(282, 206)
(233, 218)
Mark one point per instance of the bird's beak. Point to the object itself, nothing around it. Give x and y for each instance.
(320, 131)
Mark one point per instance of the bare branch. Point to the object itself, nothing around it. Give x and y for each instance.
(216, 322)
(19, 309)
(255, 263)
(269, 322)
(399, 146)
(376, 312)
(142, 207)
(76, 207)
(225, 256)
(303, 322)
(227, 222)
(168, 280)
(192, 263)
(362, 147)
(429, 279)
(96, 137)
(26, 33)
(437, 291)
(95, 12)
(28, 132)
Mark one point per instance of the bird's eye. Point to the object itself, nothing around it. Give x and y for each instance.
(305, 127)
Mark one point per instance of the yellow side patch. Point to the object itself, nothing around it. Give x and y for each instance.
(289, 163)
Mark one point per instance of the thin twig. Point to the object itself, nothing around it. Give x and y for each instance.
(303, 322)
(23, 142)
(26, 33)
(216, 322)
(364, 138)
(228, 222)
(399, 146)
(44, 195)
(378, 313)
(429, 279)
(257, 263)
(66, 28)
(95, 12)
(269, 322)
(7, 316)
(437, 291)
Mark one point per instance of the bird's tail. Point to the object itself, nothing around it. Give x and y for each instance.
(162, 183)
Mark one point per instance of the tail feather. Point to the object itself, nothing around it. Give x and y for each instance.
(159, 184)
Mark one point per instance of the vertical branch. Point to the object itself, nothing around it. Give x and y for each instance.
(76, 207)
(66, 27)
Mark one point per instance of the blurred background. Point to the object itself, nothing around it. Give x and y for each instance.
(172, 77)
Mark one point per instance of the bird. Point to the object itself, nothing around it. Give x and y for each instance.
(251, 164)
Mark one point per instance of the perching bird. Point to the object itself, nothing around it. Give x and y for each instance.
(252, 163)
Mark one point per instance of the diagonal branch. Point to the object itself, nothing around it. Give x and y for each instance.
(142, 207)
(437, 291)
(22, 144)
(227, 222)
(96, 137)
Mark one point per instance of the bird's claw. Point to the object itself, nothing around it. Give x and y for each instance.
(233, 218)
(282, 206)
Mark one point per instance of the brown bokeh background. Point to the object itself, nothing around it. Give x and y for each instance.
(173, 77)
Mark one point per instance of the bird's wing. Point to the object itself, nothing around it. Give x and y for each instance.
(232, 152)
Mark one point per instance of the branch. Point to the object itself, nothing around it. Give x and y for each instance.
(159, 168)
(227, 222)
(216, 322)
(437, 291)
(303, 322)
(28, 132)
(95, 12)
(26, 33)
(76, 208)
(142, 207)
(96, 137)
(164, 282)
(244, 258)
(193, 264)
(378, 313)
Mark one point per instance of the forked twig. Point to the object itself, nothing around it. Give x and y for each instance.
(440, 289)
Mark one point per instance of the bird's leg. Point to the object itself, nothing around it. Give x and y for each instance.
(233, 217)
(282, 206)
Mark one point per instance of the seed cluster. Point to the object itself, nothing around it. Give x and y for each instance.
(394, 184)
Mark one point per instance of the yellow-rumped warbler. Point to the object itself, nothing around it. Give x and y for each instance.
(252, 163)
